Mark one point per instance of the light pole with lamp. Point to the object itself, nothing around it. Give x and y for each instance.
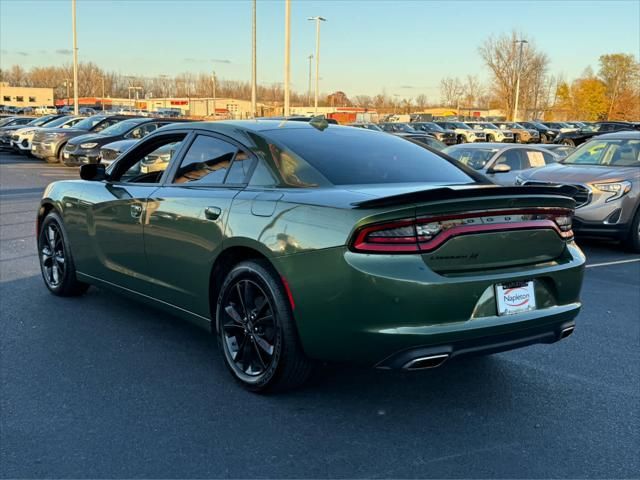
(515, 106)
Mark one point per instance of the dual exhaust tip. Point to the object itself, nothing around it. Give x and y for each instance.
(436, 360)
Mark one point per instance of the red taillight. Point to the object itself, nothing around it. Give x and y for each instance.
(426, 234)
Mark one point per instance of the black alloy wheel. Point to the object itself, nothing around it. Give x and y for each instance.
(249, 328)
(56, 261)
(257, 332)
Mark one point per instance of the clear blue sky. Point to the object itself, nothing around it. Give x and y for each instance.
(402, 46)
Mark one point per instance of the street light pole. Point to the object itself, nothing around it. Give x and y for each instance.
(515, 106)
(254, 86)
(213, 86)
(310, 57)
(102, 93)
(287, 48)
(75, 58)
(317, 20)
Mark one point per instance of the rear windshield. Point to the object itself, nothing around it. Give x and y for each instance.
(346, 156)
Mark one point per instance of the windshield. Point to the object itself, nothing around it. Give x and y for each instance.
(352, 157)
(88, 123)
(475, 158)
(461, 125)
(120, 128)
(430, 127)
(371, 126)
(610, 153)
(58, 121)
(41, 121)
(5, 121)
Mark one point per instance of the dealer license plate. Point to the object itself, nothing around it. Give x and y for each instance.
(515, 297)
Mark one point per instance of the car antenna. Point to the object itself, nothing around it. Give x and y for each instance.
(319, 122)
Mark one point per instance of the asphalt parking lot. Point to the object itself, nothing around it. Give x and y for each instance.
(101, 386)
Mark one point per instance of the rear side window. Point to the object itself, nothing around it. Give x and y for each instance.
(346, 156)
(206, 161)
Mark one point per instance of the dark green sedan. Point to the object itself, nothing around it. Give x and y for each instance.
(302, 242)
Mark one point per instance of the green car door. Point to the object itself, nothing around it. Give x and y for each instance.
(187, 218)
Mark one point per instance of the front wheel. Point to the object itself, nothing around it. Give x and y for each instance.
(569, 142)
(257, 332)
(56, 261)
(633, 239)
(462, 139)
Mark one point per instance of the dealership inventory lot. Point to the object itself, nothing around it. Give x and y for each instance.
(101, 386)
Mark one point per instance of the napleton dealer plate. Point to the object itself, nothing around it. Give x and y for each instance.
(515, 297)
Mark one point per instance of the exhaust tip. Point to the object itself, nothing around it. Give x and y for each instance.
(566, 332)
(430, 361)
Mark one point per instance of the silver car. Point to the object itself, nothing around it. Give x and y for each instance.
(606, 174)
(499, 162)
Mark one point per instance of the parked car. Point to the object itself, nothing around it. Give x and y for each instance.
(271, 235)
(367, 126)
(578, 137)
(7, 131)
(397, 127)
(86, 148)
(560, 126)
(49, 144)
(499, 162)
(606, 173)
(301, 118)
(547, 135)
(44, 110)
(520, 133)
(464, 133)
(448, 137)
(406, 131)
(111, 151)
(559, 150)
(428, 140)
(22, 138)
(493, 133)
(11, 120)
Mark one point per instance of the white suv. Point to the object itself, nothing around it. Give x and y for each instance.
(464, 133)
(493, 133)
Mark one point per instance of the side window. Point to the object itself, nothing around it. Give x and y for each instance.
(105, 124)
(146, 165)
(262, 176)
(206, 161)
(239, 168)
(511, 158)
(143, 130)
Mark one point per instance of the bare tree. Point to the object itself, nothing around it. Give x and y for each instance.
(502, 58)
(451, 90)
(421, 101)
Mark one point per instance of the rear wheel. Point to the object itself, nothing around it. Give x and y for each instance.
(56, 261)
(462, 139)
(490, 138)
(544, 138)
(633, 239)
(568, 141)
(257, 332)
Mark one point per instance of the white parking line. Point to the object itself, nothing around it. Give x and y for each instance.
(616, 262)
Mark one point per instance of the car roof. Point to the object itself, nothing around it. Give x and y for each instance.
(624, 135)
(229, 126)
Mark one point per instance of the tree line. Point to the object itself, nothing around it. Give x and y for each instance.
(613, 92)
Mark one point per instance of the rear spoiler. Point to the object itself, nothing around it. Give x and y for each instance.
(453, 193)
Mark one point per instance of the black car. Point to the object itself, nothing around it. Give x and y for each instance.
(448, 137)
(578, 137)
(547, 135)
(86, 148)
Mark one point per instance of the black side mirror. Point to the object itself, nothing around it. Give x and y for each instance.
(500, 168)
(93, 172)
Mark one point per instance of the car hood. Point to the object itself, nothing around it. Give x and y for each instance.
(561, 173)
(94, 138)
(121, 145)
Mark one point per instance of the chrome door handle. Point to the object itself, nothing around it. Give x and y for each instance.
(136, 211)
(212, 213)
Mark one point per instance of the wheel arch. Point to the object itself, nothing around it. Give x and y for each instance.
(46, 206)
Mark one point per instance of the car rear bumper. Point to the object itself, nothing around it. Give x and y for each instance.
(371, 308)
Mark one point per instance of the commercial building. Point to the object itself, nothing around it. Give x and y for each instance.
(25, 96)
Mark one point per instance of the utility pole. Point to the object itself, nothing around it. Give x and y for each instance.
(67, 83)
(310, 57)
(287, 48)
(515, 107)
(102, 93)
(75, 58)
(213, 86)
(317, 20)
(254, 86)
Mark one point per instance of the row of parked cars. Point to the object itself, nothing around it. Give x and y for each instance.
(74, 140)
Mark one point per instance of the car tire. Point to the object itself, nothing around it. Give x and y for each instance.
(256, 330)
(632, 241)
(569, 142)
(490, 139)
(55, 258)
(462, 139)
(544, 138)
